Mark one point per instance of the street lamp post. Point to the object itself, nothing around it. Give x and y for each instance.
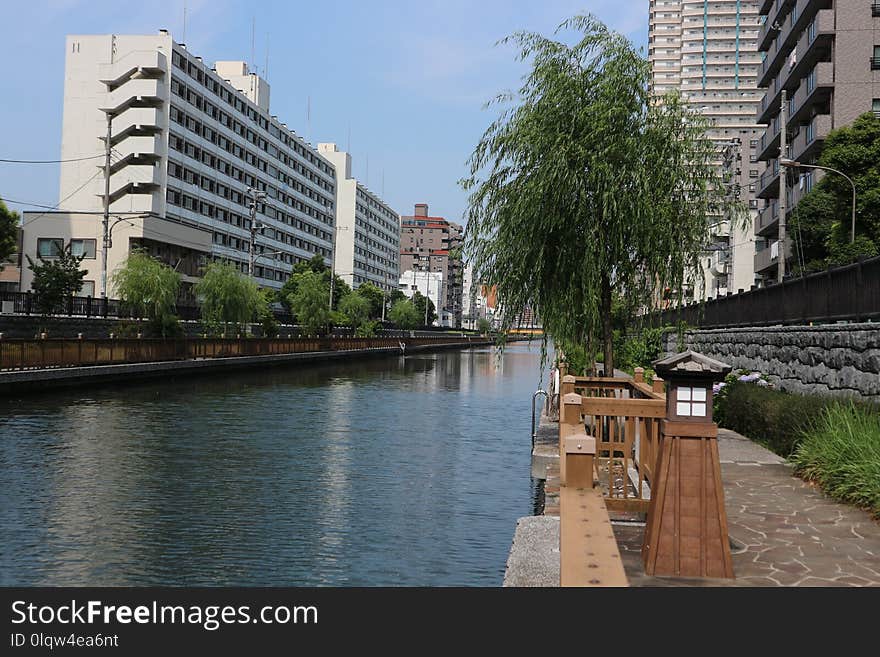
(799, 165)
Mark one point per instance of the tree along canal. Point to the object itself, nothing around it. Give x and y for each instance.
(385, 471)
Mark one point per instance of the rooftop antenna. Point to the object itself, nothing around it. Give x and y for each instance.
(266, 68)
(184, 22)
(348, 145)
(383, 183)
(368, 169)
(309, 119)
(253, 41)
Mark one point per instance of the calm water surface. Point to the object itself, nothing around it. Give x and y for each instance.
(377, 472)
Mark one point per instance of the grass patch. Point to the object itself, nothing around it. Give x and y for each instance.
(840, 451)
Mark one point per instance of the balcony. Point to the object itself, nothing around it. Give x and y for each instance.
(767, 221)
(816, 90)
(809, 141)
(765, 262)
(767, 32)
(768, 144)
(768, 183)
(797, 33)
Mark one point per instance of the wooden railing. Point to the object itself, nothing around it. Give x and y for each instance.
(623, 416)
(76, 352)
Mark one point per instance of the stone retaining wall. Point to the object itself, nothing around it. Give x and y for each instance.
(837, 359)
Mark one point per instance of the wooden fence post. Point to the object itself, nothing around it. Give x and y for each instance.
(570, 423)
(578, 452)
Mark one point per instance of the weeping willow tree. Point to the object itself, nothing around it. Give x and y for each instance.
(584, 187)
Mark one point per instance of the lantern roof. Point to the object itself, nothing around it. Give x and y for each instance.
(690, 363)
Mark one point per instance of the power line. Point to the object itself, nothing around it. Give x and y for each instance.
(28, 203)
(42, 214)
(75, 159)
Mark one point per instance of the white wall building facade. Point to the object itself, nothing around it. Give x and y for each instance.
(367, 248)
(428, 284)
(708, 51)
(186, 146)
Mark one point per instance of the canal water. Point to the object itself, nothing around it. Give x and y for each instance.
(387, 471)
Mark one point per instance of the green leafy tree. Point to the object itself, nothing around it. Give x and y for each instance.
(266, 316)
(374, 297)
(821, 223)
(310, 303)
(55, 280)
(484, 326)
(356, 310)
(316, 266)
(584, 185)
(8, 233)
(149, 287)
(405, 315)
(419, 301)
(228, 297)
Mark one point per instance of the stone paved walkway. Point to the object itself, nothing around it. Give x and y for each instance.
(784, 531)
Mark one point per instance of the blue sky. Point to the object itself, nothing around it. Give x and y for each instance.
(406, 79)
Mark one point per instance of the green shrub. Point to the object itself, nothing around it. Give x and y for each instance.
(840, 451)
(773, 418)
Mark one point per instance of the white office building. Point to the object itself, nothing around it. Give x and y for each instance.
(428, 284)
(708, 51)
(367, 248)
(188, 142)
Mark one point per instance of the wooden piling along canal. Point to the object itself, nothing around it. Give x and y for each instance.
(47, 353)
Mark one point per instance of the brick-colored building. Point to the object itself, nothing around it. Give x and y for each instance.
(826, 55)
(430, 244)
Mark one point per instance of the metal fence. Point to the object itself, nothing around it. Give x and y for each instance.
(848, 293)
(75, 352)
(28, 303)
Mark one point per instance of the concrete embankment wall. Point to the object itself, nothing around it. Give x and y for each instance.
(836, 359)
(25, 381)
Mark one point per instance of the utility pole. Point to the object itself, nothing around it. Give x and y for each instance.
(783, 147)
(105, 228)
(427, 290)
(255, 197)
(333, 265)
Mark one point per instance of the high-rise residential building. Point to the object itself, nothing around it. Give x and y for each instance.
(367, 246)
(431, 244)
(707, 50)
(825, 54)
(192, 148)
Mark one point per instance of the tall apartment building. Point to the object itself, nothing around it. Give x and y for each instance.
(707, 50)
(188, 143)
(428, 244)
(368, 231)
(826, 55)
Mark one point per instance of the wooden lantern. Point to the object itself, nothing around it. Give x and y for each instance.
(686, 533)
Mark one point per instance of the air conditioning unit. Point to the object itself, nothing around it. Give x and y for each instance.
(7, 307)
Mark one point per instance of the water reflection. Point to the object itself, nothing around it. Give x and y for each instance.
(399, 471)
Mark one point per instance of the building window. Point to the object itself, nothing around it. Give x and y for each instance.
(875, 60)
(85, 248)
(50, 247)
(875, 107)
(753, 173)
(88, 288)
